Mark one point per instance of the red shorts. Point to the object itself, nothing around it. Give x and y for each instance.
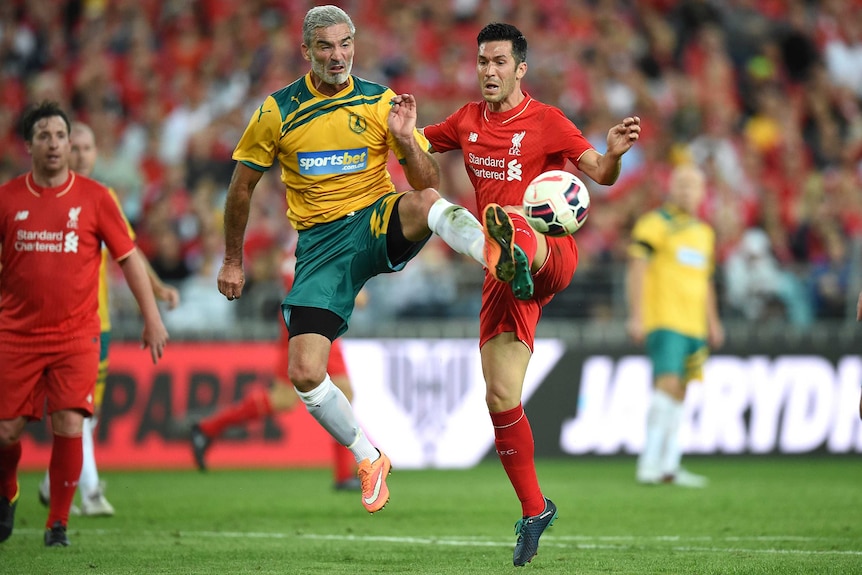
(66, 378)
(335, 368)
(502, 312)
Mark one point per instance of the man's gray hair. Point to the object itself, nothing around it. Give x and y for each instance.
(324, 17)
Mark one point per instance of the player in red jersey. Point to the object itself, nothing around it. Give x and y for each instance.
(279, 398)
(53, 223)
(507, 139)
(90, 487)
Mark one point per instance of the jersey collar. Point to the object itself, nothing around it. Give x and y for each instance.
(56, 191)
(318, 94)
(505, 117)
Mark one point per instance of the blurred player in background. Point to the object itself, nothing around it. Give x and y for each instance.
(90, 488)
(279, 398)
(525, 269)
(673, 307)
(859, 318)
(53, 223)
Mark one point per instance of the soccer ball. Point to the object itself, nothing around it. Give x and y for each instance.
(556, 203)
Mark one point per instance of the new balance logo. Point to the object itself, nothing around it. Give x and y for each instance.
(22, 215)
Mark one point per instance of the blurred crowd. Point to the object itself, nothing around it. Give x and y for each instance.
(765, 95)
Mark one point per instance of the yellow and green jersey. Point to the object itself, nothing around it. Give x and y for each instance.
(332, 150)
(680, 249)
(104, 288)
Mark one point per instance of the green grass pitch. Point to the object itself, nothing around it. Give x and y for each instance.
(758, 516)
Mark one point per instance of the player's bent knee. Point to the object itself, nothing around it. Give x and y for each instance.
(306, 379)
(414, 206)
(67, 422)
(11, 430)
(672, 385)
(283, 396)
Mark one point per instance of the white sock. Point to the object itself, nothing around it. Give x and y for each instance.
(457, 227)
(672, 451)
(89, 481)
(45, 486)
(329, 406)
(650, 459)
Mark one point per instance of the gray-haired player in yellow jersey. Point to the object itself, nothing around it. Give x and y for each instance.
(331, 134)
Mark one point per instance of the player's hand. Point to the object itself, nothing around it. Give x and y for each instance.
(859, 307)
(155, 337)
(402, 115)
(168, 294)
(716, 335)
(624, 135)
(231, 278)
(635, 330)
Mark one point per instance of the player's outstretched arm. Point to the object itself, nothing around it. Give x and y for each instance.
(715, 328)
(636, 271)
(155, 335)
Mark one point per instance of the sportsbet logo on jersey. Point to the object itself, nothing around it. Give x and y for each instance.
(332, 162)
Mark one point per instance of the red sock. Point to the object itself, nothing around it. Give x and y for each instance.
(345, 463)
(253, 406)
(67, 456)
(9, 458)
(514, 440)
(525, 237)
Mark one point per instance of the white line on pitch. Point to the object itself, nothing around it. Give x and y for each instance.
(579, 541)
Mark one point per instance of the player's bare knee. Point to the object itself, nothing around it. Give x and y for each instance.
(67, 422)
(306, 377)
(10, 431)
(498, 398)
(413, 212)
(282, 396)
(671, 385)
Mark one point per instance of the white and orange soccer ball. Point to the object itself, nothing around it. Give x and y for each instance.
(556, 203)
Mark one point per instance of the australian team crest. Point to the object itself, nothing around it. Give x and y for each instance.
(357, 123)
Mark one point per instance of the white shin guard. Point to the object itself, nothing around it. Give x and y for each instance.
(329, 406)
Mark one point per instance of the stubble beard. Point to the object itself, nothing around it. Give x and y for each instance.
(331, 79)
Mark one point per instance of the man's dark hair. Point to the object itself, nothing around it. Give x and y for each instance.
(499, 32)
(34, 114)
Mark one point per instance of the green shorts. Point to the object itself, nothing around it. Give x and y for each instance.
(674, 353)
(334, 260)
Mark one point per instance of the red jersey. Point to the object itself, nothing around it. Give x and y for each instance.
(504, 151)
(51, 251)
